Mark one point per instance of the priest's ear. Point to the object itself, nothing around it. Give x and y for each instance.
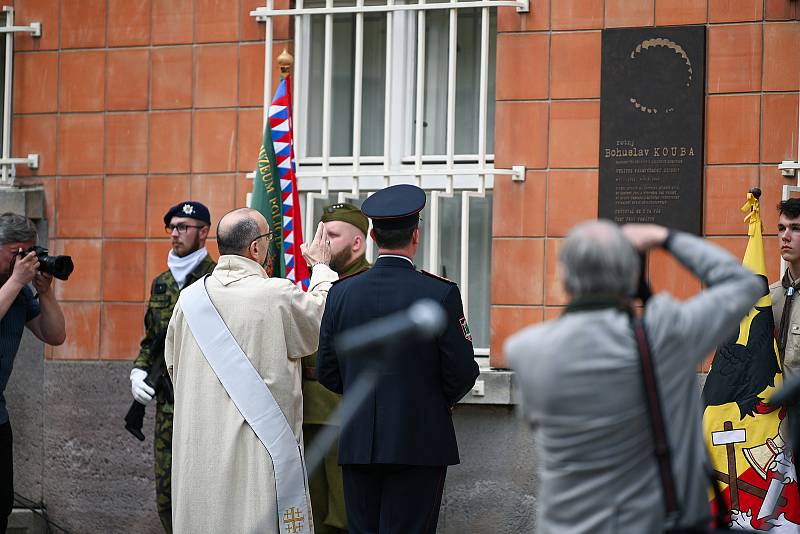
(258, 250)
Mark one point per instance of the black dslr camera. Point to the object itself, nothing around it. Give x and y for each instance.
(59, 266)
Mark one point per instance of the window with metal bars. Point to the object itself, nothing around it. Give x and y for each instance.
(373, 103)
(396, 92)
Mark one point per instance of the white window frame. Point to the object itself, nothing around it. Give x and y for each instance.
(8, 164)
(441, 175)
(789, 169)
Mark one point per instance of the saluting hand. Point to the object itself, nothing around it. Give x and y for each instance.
(319, 251)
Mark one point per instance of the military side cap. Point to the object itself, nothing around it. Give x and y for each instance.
(346, 213)
(189, 208)
(395, 208)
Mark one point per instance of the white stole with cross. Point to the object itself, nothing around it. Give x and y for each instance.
(255, 402)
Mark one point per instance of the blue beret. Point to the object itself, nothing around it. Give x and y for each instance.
(395, 207)
(189, 208)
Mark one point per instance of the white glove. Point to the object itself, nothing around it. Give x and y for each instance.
(142, 393)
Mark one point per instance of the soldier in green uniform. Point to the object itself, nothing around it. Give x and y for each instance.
(347, 230)
(188, 224)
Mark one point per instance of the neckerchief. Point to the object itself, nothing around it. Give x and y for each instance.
(182, 267)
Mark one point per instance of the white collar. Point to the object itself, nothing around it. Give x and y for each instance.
(396, 256)
(232, 268)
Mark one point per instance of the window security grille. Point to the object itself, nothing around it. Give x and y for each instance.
(391, 92)
(7, 163)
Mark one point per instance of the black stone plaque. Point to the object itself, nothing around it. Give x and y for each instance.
(651, 126)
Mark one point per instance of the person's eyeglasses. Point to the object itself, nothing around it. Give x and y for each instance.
(180, 227)
(268, 235)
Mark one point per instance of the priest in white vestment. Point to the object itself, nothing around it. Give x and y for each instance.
(222, 475)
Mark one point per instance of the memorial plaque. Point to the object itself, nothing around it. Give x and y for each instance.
(651, 126)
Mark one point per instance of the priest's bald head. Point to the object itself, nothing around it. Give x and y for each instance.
(244, 232)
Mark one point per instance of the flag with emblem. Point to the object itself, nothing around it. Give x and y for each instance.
(746, 438)
(275, 190)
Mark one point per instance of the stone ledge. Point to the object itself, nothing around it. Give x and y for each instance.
(24, 521)
(28, 201)
(498, 388)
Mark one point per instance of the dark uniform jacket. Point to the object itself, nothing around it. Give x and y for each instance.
(407, 419)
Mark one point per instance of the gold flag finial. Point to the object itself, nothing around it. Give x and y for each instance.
(285, 60)
(752, 210)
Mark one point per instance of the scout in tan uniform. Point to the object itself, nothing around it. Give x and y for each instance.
(188, 224)
(347, 229)
(785, 308)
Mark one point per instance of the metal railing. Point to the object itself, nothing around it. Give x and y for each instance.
(8, 164)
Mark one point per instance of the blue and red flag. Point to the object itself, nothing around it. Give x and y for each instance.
(276, 172)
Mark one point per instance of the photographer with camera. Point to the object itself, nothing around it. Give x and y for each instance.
(19, 307)
(593, 380)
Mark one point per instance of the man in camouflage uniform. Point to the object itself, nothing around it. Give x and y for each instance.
(188, 224)
(347, 229)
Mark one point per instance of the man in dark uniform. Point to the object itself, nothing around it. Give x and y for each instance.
(347, 231)
(188, 224)
(395, 451)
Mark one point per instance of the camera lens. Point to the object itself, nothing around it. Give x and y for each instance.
(59, 266)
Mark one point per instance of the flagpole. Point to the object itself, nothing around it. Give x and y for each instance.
(296, 269)
(285, 60)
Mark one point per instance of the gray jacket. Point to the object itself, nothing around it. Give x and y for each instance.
(581, 390)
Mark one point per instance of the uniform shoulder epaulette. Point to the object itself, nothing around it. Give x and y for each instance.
(347, 277)
(440, 278)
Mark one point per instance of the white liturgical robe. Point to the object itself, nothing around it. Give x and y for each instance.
(222, 476)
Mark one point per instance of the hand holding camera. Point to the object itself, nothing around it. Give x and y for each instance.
(42, 282)
(25, 268)
(59, 266)
(645, 236)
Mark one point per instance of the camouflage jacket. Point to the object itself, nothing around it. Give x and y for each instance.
(318, 401)
(163, 295)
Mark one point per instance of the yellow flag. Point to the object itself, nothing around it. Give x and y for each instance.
(745, 437)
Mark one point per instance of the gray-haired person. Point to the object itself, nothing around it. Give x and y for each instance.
(20, 308)
(581, 382)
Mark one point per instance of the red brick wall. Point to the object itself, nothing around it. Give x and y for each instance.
(133, 106)
(548, 118)
(136, 105)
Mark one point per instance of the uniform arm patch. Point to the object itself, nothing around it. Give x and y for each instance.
(465, 329)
